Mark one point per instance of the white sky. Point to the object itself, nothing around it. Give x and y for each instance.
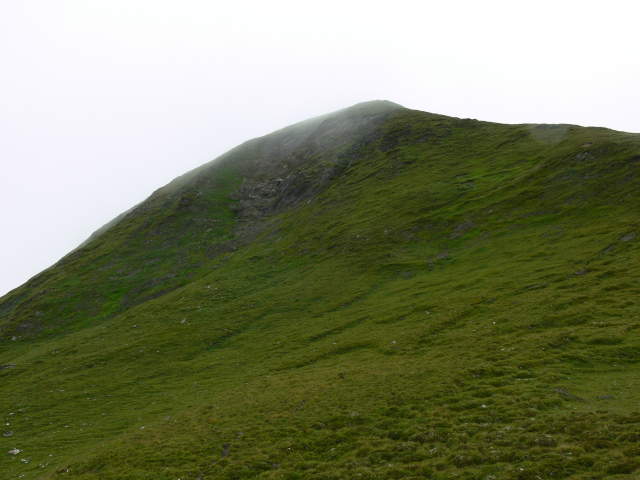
(102, 102)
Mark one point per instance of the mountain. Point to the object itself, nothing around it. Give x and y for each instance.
(374, 293)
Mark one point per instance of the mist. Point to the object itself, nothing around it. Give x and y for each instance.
(101, 103)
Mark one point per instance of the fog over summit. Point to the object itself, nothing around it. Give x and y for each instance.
(102, 102)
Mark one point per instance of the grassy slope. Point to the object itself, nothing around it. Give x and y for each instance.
(462, 300)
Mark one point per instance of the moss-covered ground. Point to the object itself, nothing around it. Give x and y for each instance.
(460, 302)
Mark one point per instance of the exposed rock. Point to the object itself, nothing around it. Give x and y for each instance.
(225, 450)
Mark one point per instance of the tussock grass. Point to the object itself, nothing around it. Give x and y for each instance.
(459, 299)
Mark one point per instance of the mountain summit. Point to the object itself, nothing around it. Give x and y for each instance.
(378, 292)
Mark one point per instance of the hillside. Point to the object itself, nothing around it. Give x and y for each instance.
(375, 293)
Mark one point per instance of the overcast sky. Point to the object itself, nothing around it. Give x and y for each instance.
(102, 102)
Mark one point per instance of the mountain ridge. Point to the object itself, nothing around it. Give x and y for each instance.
(379, 292)
(260, 179)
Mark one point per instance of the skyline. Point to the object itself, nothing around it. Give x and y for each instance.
(104, 102)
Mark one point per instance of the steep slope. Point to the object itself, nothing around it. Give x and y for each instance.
(376, 293)
(198, 218)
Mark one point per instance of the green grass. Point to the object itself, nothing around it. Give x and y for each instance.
(447, 299)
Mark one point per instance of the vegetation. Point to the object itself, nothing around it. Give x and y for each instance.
(376, 293)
